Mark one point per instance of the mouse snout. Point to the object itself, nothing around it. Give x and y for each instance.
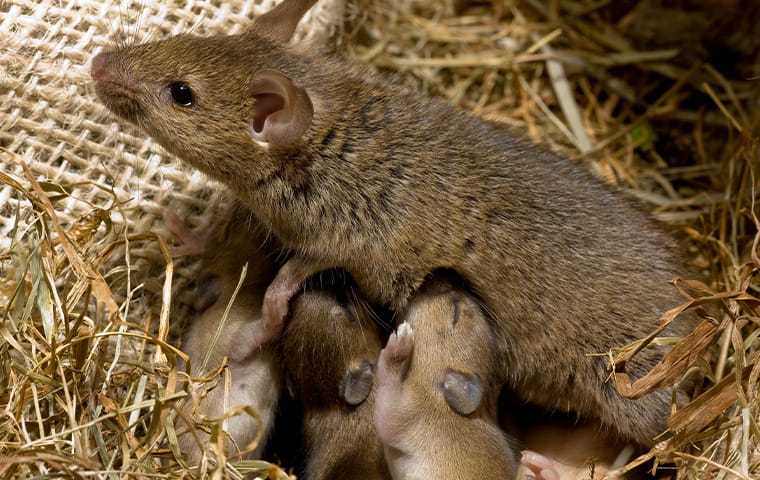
(101, 67)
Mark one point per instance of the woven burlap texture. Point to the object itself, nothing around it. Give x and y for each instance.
(51, 119)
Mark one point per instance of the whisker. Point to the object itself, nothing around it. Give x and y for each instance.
(197, 23)
(123, 24)
(138, 26)
(130, 32)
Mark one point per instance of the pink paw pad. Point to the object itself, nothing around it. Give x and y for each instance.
(538, 466)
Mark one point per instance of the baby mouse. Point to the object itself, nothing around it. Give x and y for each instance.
(435, 404)
(355, 172)
(329, 350)
(560, 450)
(254, 368)
(437, 392)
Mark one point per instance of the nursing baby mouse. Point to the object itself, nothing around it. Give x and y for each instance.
(562, 450)
(436, 404)
(437, 392)
(329, 350)
(256, 376)
(352, 171)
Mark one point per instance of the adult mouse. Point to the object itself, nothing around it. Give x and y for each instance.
(353, 171)
(329, 351)
(254, 368)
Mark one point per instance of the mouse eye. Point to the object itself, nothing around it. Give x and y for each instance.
(181, 93)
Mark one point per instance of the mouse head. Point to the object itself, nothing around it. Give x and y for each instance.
(213, 101)
(463, 362)
(330, 347)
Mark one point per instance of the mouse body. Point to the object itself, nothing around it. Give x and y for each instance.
(352, 171)
(329, 350)
(254, 368)
(437, 392)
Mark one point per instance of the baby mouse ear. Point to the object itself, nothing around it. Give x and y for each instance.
(357, 383)
(280, 23)
(462, 391)
(282, 111)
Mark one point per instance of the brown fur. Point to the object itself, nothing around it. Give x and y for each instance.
(390, 185)
(423, 435)
(322, 342)
(255, 370)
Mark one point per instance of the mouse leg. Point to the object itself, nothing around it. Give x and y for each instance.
(283, 288)
(391, 368)
(640, 420)
(538, 467)
(590, 393)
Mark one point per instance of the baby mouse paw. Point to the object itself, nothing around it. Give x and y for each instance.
(190, 243)
(391, 418)
(538, 467)
(399, 347)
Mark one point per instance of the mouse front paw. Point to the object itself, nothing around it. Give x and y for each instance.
(276, 307)
(280, 292)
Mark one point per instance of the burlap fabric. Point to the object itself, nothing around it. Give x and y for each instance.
(51, 119)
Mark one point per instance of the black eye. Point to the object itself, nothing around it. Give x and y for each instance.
(181, 94)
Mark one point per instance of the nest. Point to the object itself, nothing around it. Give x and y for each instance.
(659, 98)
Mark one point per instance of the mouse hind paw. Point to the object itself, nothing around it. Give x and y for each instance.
(398, 350)
(537, 467)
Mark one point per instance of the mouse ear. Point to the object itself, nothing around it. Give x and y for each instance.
(279, 23)
(462, 391)
(357, 383)
(282, 111)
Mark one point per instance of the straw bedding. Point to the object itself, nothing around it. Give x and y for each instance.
(667, 110)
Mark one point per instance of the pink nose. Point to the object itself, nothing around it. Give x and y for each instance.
(100, 70)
